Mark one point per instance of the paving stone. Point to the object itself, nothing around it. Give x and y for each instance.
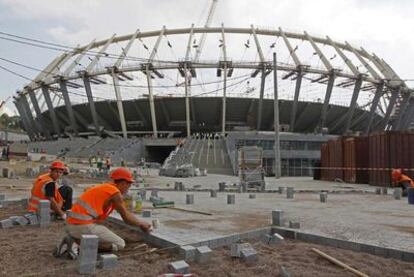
(290, 192)
(384, 191)
(397, 193)
(146, 213)
(323, 197)
(377, 190)
(213, 193)
(277, 217)
(154, 193)
(20, 220)
(179, 267)
(231, 199)
(272, 239)
(294, 225)
(108, 261)
(88, 254)
(189, 199)
(252, 196)
(222, 186)
(6, 223)
(203, 254)
(281, 190)
(44, 213)
(248, 255)
(236, 248)
(187, 252)
(32, 218)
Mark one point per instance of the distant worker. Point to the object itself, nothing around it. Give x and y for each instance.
(92, 208)
(65, 190)
(401, 180)
(45, 187)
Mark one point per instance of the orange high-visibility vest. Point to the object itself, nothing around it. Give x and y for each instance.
(405, 178)
(90, 208)
(39, 192)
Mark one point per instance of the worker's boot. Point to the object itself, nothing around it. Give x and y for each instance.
(67, 248)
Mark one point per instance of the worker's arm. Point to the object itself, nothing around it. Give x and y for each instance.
(50, 194)
(127, 216)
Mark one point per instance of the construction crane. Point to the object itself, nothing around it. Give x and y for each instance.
(200, 45)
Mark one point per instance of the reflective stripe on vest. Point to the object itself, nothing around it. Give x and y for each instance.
(88, 208)
(79, 216)
(35, 198)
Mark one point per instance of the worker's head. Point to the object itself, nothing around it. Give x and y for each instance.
(396, 174)
(56, 169)
(122, 178)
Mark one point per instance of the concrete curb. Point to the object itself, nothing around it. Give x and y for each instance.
(380, 251)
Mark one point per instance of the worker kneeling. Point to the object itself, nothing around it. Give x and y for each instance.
(45, 187)
(93, 207)
(401, 180)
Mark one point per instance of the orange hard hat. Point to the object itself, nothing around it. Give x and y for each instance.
(57, 165)
(395, 174)
(122, 174)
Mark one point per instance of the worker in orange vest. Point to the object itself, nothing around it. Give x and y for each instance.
(45, 187)
(401, 180)
(92, 208)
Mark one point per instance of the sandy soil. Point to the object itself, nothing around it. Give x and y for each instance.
(27, 251)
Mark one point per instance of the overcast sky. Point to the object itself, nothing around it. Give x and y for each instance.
(383, 27)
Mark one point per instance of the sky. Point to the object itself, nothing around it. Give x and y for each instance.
(382, 27)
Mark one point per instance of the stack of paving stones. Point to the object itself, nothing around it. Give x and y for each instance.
(222, 186)
(213, 193)
(189, 199)
(179, 186)
(378, 191)
(88, 254)
(8, 173)
(252, 196)
(397, 193)
(281, 190)
(290, 193)
(231, 199)
(277, 217)
(323, 196)
(44, 213)
(384, 191)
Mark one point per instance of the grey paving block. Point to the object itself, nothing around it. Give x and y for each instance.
(248, 255)
(6, 223)
(213, 193)
(187, 252)
(20, 220)
(88, 254)
(294, 225)
(252, 196)
(146, 213)
(323, 197)
(281, 190)
(44, 213)
(277, 217)
(290, 192)
(179, 267)
(203, 254)
(222, 186)
(384, 191)
(377, 190)
(236, 248)
(189, 199)
(154, 193)
(32, 218)
(231, 199)
(397, 193)
(108, 261)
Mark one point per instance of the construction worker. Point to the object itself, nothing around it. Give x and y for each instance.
(401, 180)
(45, 187)
(92, 208)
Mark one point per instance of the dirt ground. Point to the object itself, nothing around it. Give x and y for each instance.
(27, 251)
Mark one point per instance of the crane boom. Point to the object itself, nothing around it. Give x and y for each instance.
(203, 35)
